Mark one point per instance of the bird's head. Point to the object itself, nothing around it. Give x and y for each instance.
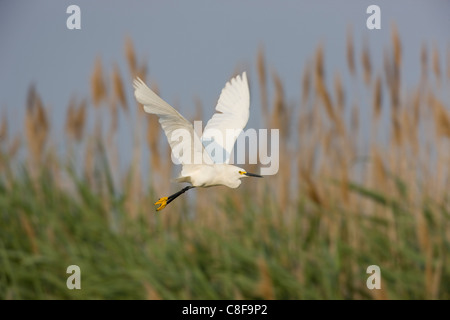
(232, 176)
(241, 173)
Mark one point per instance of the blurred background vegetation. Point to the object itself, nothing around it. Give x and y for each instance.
(309, 232)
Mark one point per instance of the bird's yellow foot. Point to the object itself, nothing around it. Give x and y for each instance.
(162, 202)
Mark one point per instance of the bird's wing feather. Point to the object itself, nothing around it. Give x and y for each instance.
(180, 132)
(231, 117)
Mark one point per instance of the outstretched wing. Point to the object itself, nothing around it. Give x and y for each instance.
(184, 142)
(227, 123)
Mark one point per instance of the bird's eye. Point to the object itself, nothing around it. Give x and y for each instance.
(241, 172)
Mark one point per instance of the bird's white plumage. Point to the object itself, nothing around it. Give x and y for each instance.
(173, 123)
(231, 117)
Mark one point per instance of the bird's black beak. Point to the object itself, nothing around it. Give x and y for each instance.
(252, 175)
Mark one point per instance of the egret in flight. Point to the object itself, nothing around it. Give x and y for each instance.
(198, 167)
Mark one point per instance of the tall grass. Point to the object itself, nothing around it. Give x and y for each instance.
(350, 193)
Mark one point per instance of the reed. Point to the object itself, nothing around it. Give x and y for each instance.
(353, 189)
(98, 86)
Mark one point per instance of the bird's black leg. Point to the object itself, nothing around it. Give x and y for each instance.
(179, 193)
(163, 202)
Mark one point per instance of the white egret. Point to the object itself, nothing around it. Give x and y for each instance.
(231, 116)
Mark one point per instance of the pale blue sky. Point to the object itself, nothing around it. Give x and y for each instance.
(193, 47)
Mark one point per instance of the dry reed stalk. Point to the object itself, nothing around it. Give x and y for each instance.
(392, 73)
(75, 120)
(382, 293)
(326, 101)
(393, 165)
(436, 64)
(436, 279)
(118, 89)
(355, 122)
(339, 92)
(111, 147)
(279, 118)
(441, 116)
(367, 65)
(392, 76)
(319, 63)
(4, 128)
(422, 233)
(424, 62)
(14, 146)
(54, 166)
(326, 222)
(305, 160)
(152, 138)
(265, 286)
(428, 262)
(131, 57)
(69, 118)
(304, 120)
(167, 170)
(434, 248)
(306, 83)
(262, 78)
(350, 53)
(387, 68)
(416, 109)
(89, 161)
(29, 231)
(414, 129)
(448, 63)
(98, 87)
(316, 129)
(397, 129)
(396, 68)
(114, 118)
(312, 189)
(323, 94)
(378, 176)
(344, 181)
(134, 188)
(142, 71)
(151, 293)
(153, 135)
(397, 47)
(408, 135)
(36, 130)
(327, 143)
(284, 178)
(134, 194)
(377, 99)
